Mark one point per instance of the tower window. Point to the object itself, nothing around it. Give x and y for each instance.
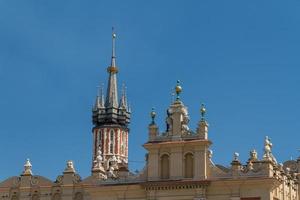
(123, 142)
(189, 165)
(78, 196)
(112, 141)
(165, 167)
(99, 138)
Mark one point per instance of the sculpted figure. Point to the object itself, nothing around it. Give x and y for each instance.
(268, 150)
(70, 166)
(111, 173)
(253, 155)
(114, 162)
(99, 159)
(169, 121)
(268, 146)
(184, 124)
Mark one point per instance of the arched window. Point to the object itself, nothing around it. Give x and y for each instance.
(99, 138)
(165, 167)
(56, 196)
(78, 196)
(112, 141)
(123, 142)
(35, 197)
(14, 197)
(189, 165)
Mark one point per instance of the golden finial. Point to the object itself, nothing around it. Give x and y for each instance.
(153, 114)
(178, 89)
(202, 111)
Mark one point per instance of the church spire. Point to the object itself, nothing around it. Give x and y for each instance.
(112, 90)
(123, 100)
(99, 99)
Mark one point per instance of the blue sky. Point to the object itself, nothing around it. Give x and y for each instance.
(241, 58)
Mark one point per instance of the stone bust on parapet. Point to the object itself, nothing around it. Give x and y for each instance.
(69, 167)
(253, 155)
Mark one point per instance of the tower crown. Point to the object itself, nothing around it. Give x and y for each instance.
(112, 112)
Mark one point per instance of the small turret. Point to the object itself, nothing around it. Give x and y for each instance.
(177, 117)
(153, 128)
(202, 129)
(236, 164)
(123, 101)
(179, 152)
(99, 103)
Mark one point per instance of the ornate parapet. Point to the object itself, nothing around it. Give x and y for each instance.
(175, 185)
(69, 176)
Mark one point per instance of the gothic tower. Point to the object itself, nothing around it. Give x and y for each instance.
(111, 119)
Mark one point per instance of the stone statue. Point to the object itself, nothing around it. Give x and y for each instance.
(169, 121)
(98, 169)
(114, 162)
(268, 150)
(267, 147)
(99, 159)
(113, 165)
(250, 166)
(184, 124)
(70, 167)
(110, 172)
(253, 155)
(210, 153)
(236, 156)
(27, 168)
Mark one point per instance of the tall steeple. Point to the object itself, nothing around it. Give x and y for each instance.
(111, 119)
(112, 88)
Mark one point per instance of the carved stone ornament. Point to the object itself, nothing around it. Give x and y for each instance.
(27, 168)
(34, 181)
(70, 167)
(76, 179)
(17, 181)
(253, 155)
(59, 179)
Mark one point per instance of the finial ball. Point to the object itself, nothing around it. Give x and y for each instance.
(152, 113)
(236, 156)
(203, 109)
(178, 88)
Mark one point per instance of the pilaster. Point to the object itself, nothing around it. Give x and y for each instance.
(200, 165)
(153, 170)
(176, 163)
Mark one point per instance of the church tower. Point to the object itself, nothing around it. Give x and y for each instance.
(178, 153)
(111, 118)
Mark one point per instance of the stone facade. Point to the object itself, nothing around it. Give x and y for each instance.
(178, 162)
